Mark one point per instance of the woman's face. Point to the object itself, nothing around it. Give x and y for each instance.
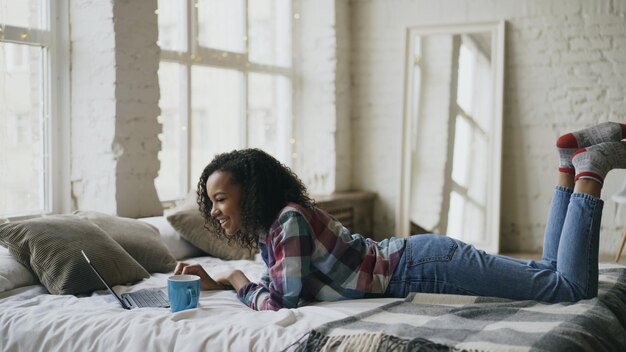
(226, 198)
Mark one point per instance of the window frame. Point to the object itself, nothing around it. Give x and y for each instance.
(192, 54)
(53, 37)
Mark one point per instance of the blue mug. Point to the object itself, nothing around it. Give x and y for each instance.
(183, 292)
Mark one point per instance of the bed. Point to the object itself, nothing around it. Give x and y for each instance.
(32, 319)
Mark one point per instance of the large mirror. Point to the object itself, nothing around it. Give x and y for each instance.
(451, 162)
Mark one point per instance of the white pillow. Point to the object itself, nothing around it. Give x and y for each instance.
(179, 247)
(12, 273)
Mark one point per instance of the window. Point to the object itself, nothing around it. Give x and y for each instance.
(29, 123)
(226, 82)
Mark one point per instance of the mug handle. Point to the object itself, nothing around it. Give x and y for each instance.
(193, 302)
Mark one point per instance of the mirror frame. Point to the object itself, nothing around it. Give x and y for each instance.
(410, 123)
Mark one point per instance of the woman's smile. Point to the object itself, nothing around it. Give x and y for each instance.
(223, 222)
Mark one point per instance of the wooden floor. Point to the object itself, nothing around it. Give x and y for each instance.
(537, 256)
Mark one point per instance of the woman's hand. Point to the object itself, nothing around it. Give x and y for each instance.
(234, 279)
(206, 282)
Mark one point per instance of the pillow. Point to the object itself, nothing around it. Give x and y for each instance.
(140, 240)
(50, 247)
(179, 246)
(12, 273)
(190, 224)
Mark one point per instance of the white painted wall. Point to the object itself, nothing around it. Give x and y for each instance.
(565, 69)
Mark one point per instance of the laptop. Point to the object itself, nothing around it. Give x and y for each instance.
(152, 297)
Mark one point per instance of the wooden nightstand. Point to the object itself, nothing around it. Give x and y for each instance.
(353, 209)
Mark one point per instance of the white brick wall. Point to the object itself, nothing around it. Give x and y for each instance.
(114, 105)
(565, 69)
(323, 95)
(343, 136)
(315, 61)
(92, 105)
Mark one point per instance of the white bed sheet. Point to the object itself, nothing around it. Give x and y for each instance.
(33, 320)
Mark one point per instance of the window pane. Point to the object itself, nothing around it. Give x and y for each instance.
(270, 31)
(221, 24)
(462, 151)
(479, 158)
(171, 22)
(483, 93)
(216, 116)
(474, 224)
(22, 13)
(269, 109)
(466, 221)
(169, 181)
(456, 215)
(21, 130)
(466, 79)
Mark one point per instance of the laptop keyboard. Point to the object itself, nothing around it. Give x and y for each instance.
(150, 298)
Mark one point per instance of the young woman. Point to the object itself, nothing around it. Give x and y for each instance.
(253, 198)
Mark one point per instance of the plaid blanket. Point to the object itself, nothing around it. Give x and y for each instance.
(438, 322)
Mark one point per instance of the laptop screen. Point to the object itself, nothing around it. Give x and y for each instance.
(104, 281)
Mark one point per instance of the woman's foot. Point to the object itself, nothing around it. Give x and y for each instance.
(569, 143)
(596, 161)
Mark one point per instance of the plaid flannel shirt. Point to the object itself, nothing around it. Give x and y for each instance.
(310, 256)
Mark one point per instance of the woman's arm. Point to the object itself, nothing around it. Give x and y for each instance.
(235, 279)
(292, 247)
(206, 282)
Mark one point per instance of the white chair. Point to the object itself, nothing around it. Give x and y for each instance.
(620, 198)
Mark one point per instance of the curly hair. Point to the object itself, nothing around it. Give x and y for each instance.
(266, 186)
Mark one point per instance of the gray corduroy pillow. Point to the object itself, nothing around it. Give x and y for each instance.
(189, 223)
(141, 240)
(50, 247)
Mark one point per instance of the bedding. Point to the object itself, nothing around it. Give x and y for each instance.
(178, 246)
(139, 239)
(439, 322)
(50, 247)
(189, 223)
(12, 273)
(33, 320)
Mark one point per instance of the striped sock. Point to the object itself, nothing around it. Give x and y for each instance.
(569, 143)
(596, 161)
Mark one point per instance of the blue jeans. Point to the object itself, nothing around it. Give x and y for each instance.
(568, 270)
